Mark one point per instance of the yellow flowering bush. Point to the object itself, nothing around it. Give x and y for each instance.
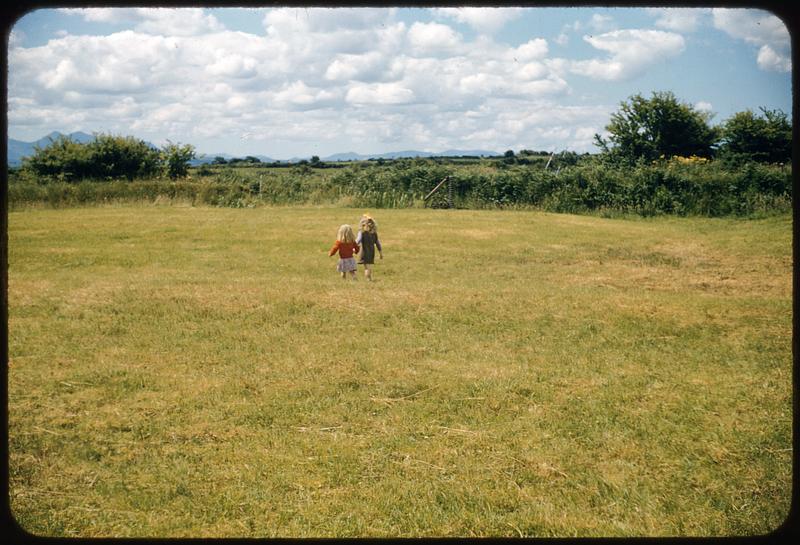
(692, 160)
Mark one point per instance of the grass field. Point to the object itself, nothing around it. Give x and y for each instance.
(179, 371)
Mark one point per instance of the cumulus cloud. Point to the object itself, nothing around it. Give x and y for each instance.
(761, 29)
(164, 21)
(367, 66)
(432, 39)
(770, 60)
(530, 50)
(678, 19)
(379, 93)
(630, 53)
(16, 38)
(601, 23)
(483, 20)
(703, 106)
(358, 74)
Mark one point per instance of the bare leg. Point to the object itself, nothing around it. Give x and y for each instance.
(344, 276)
(353, 275)
(368, 272)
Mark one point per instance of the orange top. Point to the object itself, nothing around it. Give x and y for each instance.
(345, 249)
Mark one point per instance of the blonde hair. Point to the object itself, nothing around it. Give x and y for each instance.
(368, 224)
(345, 234)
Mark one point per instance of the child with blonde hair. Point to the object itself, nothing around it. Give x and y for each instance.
(346, 246)
(368, 239)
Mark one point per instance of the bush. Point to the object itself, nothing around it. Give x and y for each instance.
(680, 186)
(175, 159)
(105, 157)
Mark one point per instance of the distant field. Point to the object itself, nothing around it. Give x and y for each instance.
(180, 371)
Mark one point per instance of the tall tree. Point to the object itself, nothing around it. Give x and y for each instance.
(764, 138)
(176, 158)
(659, 126)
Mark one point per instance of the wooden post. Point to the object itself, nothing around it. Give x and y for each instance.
(548, 161)
(435, 188)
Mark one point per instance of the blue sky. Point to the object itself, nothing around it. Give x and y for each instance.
(289, 82)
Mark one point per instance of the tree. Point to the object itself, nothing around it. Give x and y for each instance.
(121, 157)
(219, 160)
(175, 159)
(659, 126)
(61, 157)
(763, 138)
(104, 157)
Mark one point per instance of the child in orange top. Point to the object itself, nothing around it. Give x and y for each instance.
(346, 246)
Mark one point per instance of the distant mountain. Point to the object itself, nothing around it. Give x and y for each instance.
(17, 149)
(467, 152)
(346, 156)
(352, 156)
(206, 158)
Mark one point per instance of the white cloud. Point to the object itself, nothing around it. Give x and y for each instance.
(326, 20)
(364, 67)
(379, 93)
(768, 59)
(164, 21)
(530, 50)
(432, 39)
(298, 95)
(761, 29)
(484, 20)
(631, 52)
(16, 38)
(232, 66)
(754, 26)
(678, 19)
(703, 106)
(601, 23)
(358, 77)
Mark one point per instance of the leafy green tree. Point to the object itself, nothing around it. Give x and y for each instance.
(765, 138)
(660, 126)
(175, 159)
(62, 157)
(219, 160)
(121, 157)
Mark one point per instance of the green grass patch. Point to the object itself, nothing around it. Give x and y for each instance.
(182, 371)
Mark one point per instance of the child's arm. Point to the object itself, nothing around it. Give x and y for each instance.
(358, 238)
(334, 249)
(378, 245)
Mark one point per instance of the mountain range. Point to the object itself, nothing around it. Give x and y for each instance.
(17, 149)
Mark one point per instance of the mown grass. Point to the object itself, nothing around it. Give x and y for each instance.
(179, 371)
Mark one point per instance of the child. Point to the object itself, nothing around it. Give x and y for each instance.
(368, 238)
(346, 246)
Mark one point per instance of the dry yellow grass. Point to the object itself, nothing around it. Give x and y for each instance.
(204, 372)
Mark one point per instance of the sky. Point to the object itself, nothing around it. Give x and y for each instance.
(296, 82)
